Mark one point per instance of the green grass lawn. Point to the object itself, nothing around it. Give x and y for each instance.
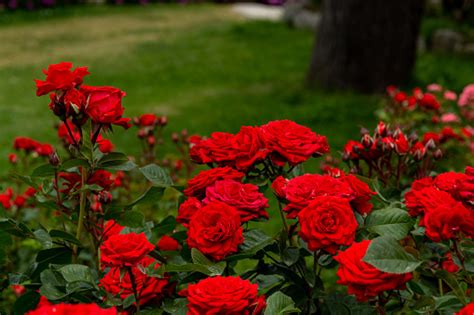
(201, 65)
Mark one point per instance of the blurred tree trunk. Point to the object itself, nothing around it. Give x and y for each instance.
(365, 45)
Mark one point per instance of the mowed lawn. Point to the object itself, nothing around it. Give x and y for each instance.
(203, 66)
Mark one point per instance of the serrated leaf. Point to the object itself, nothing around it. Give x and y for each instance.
(199, 259)
(119, 166)
(386, 254)
(390, 221)
(280, 304)
(157, 175)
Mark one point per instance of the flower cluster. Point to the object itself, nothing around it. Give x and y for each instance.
(28, 146)
(9, 199)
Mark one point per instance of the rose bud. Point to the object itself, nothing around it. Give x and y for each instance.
(105, 197)
(142, 133)
(13, 158)
(54, 159)
(178, 165)
(136, 120)
(367, 141)
(413, 137)
(175, 137)
(438, 154)
(163, 121)
(381, 129)
(184, 133)
(364, 131)
(151, 140)
(430, 145)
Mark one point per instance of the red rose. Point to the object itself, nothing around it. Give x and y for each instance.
(249, 147)
(431, 136)
(102, 178)
(418, 151)
(72, 102)
(362, 194)
(111, 228)
(353, 149)
(449, 265)
(279, 187)
(301, 190)
(104, 105)
(448, 221)
(327, 223)
(125, 250)
(149, 289)
(466, 310)
(419, 202)
(217, 149)
(64, 135)
(105, 145)
(167, 243)
(289, 142)
(6, 198)
(12, 158)
(451, 182)
(18, 289)
(429, 101)
(187, 209)
(30, 192)
(68, 309)
(246, 198)
(215, 230)
(24, 143)
(146, 120)
(224, 295)
(364, 280)
(447, 133)
(198, 184)
(60, 77)
(401, 143)
(44, 149)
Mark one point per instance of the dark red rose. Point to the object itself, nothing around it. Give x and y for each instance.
(18, 289)
(289, 142)
(431, 136)
(215, 230)
(68, 309)
(467, 310)
(249, 147)
(420, 201)
(418, 151)
(362, 194)
(30, 192)
(187, 209)
(217, 149)
(60, 77)
(448, 221)
(327, 223)
(451, 182)
(44, 149)
(224, 295)
(246, 198)
(73, 100)
(198, 184)
(429, 101)
(105, 145)
(102, 178)
(448, 264)
(279, 187)
(104, 105)
(167, 243)
(125, 250)
(400, 97)
(353, 150)
(301, 190)
(149, 289)
(401, 143)
(447, 133)
(24, 143)
(362, 279)
(19, 201)
(111, 228)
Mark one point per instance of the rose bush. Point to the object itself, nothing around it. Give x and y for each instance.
(88, 230)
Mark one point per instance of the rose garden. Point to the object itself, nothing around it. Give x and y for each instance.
(268, 219)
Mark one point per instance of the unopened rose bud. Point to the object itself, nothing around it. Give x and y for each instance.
(430, 145)
(142, 133)
(163, 121)
(54, 159)
(184, 133)
(364, 131)
(381, 129)
(13, 158)
(175, 137)
(367, 141)
(438, 154)
(105, 197)
(151, 140)
(413, 137)
(136, 120)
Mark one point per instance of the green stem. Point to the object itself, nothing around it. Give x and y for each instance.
(134, 287)
(283, 219)
(82, 208)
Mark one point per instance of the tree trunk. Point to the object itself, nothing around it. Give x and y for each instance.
(365, 45)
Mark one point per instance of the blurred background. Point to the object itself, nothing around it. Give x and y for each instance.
(215, 66)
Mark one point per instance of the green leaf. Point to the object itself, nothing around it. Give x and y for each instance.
(386, 254)
(45, 170)
(15, 228)
(113, 157)
(119, 166)
(280, 304)
(52, 293)
(176, 306)
(215, 269)
(451, 281)
(185, 268)
(128, 301)
(52, 278)
(390, 221)
(73, 273)
(158, 176)
(167, 225)
(74, 163)
(64, 236)
(254, 241)
(43, 237)
(152, 195)
(26, 302)
(5, 242)
(131, 218)
(55, 255)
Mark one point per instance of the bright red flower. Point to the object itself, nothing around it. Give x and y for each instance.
(187, 209)
(146, 120)
(6, 198)
(60, 77)
(429, 102)
(362, 194)
(249, 147)
(215, 230)
(353, 149)
(362, 279)
(105, 145)
(217, 149)
(466, 310)
(24, 143)
(289, 142)
(68, 309)
(104, 105)
(279, 187)
(224, 295)
(327, 223)
(431, 135)
(13, 158)
(125, 250)
(447, 133)
(167, 243)
(246, 198)
(149, 289)
(198, 184)
(401, 143)
(111, 228)
(448, 264)
(44, 149)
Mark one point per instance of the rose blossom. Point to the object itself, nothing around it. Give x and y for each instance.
(450, 118)
(224, 295)
(198, 184)
(60, 77)
(187, 209)
(327, 223)
(450, 96)
(246, 198)
(125, 250)
(289, 142)
(448, 264)
(217, 149)
(467, 96)
(362, 279)
(68, 309)
(466, 310)
(215, 230)
(167, 243)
